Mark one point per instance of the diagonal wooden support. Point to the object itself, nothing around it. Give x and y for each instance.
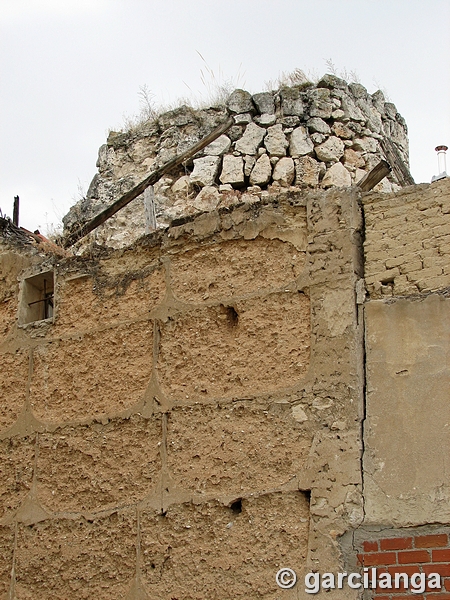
(370, 180)
(392, 155)
(141, 187)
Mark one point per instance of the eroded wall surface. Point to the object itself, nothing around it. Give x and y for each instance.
(189, 420)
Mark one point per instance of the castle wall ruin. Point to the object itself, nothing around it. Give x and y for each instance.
(260, 384)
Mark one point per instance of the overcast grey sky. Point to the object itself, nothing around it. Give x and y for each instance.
(72, 69)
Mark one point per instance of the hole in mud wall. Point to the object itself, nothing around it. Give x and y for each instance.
(37, 298)
(236, 506)
(231, 315)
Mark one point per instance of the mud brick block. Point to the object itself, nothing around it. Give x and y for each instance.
(101, 373)
(16, 472)
(216, 552)
(14, 374)
(234, 269)
(112, 464)
(261, 344)
(76, 559)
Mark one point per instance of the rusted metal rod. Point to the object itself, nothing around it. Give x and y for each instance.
(140, 187)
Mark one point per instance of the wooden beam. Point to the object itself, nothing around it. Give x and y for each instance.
(370, 180)
(16, 211)
(393, 157)
(151, 179)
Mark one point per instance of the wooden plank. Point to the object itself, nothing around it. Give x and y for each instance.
(370, 180)
(149, 209)
(16, 211)
(393, 157)
(151, 179)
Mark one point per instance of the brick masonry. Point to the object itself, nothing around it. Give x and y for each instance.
(407, 551)
(407, 240)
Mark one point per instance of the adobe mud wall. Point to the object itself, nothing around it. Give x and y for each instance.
(189, 420)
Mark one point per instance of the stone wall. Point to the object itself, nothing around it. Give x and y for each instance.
(316, 136)
(188, 421)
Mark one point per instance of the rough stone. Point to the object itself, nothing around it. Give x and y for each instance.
(291, 102)
(207, 199)
(243, 119)
(219, 146)
(275, 141)
(351, 111)
(205, 170)
(342, 131)
(338, 114)
(307, 171)
(374, 122)
(264, 103)
(331, 150)
(232, 170)
(284, 171)
(249, 163)
(251, 140)
(331, 81)
(235, 132)
(291, 121)
(358, 90)
(318, 138)
(300, 144)
(338, 176)
(321, 105)
(378, 101)
(182, 185)
(240, 102)
(262, 171)
(266, 120)
(366, 144)
(316, 124)
(353, 159)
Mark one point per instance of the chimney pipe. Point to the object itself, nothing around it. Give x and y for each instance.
(442, 164)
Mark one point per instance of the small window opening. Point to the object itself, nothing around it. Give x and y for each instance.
(37, 298)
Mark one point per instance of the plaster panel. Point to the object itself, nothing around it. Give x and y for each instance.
(407, 430)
